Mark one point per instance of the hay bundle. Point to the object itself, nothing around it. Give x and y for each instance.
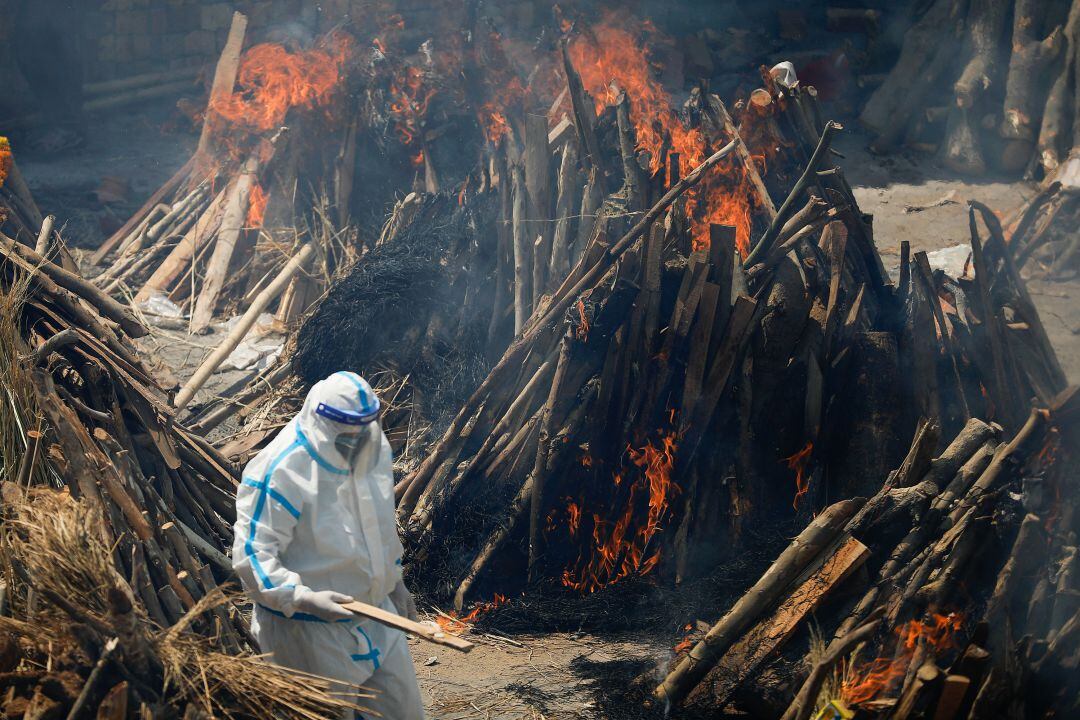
(73, 613)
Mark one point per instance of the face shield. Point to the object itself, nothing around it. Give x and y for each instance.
(351, 440)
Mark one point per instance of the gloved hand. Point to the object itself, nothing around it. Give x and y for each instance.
(403, 601)
(323, 604)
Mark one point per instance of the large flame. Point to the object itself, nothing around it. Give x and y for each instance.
(621, 547)
(273, 80)
(611, 59)
(867, 681)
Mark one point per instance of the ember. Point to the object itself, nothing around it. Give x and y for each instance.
(450, 622)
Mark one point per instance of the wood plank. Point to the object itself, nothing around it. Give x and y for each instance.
(424, 631)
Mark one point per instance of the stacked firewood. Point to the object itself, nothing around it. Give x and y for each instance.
(220, 233)
(1043, 233)
(86, 414)
(1006, 101)
(76, 639)
(960, 556)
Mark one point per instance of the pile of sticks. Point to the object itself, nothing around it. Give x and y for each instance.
(86, 414)
(959, 557)
(987, 109)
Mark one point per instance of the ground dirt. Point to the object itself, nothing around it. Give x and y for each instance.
(554, 675)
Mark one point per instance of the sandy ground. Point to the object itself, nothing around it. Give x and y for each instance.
(557, 675)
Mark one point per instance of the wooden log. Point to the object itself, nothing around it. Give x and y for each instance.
(538, 476)
(232, 224)
(633, 188)
(1026, 84)
(1058, 132)
(30, 261)
(770, 587)
(179, 259)
(225, 72)
(538, 184)
(565, 209)
(583, 117)
(771, 633)
(522, 253)
(920, 694)
(237, 334)
(986, 23)
(41, 247)
(591, 200)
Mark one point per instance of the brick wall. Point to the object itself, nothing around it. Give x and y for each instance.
(129, 37)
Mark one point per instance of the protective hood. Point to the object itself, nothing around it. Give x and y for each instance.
(342, 403)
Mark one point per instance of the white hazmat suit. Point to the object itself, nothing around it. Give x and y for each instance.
(315, 527)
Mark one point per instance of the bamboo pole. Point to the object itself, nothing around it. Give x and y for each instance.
(261, 301)
(232, 224)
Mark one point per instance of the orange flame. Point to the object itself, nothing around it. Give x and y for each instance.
(870, 679)
(5, 159)
(582, 332)
(616, 62)
(686, 642)
(456, 625)
(256, 207)
(272, 80)
(620, 551)
(798, 463)
(410, 97)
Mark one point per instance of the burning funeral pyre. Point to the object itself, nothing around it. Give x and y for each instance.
(607, 357)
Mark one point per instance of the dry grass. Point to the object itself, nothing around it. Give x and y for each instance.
(18, 408)
(57, 540)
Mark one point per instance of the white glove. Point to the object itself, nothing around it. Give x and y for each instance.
(323, 604)
(403, 601)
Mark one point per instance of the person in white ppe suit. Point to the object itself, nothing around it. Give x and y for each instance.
(315, 528)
